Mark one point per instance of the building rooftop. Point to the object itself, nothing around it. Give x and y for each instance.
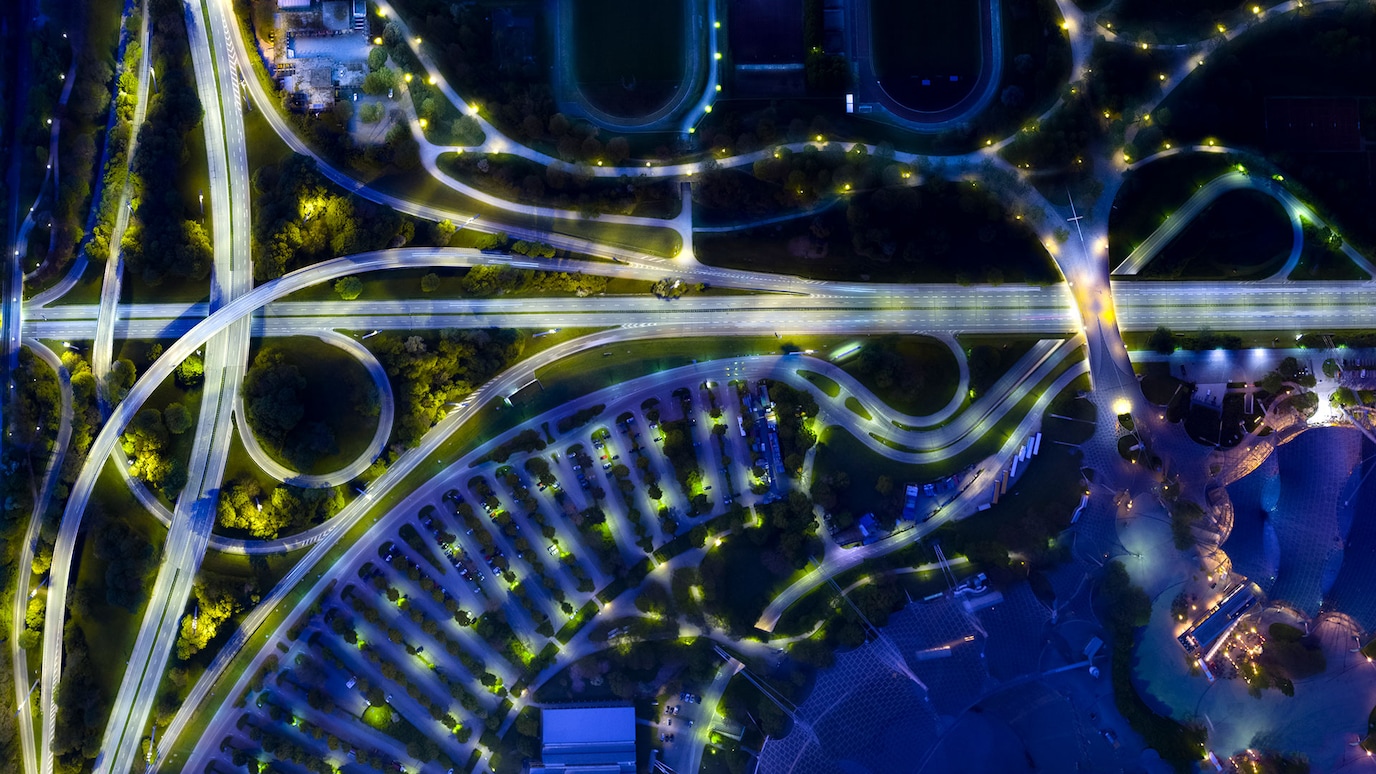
(593, 739)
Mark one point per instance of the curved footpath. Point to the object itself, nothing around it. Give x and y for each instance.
(386, 413)
(24, 566)
(1296, 210)
(1196, 204)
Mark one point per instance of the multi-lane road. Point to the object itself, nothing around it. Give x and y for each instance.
(217, 83)
(1294, 307)
(781, 304)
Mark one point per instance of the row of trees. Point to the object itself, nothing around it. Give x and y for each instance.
(287, 420)
(514, 93)
(795, 409)
(517, 179)
(1166, 341)
(117, 141)
(301, 219)
(82, 125)
(789, 180)
(244, 505)
(161, 241)
(430, 370)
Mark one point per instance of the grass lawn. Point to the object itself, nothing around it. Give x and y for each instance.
(824, 383)
(1241, 235)
(839, 450)
(855, 405)
(1151, 192)
(1318, 53)
(990, 357)
(1321, 261)
(628, 54)
(589, 371)
(929, 41)
(265, 148)
(940, 232)
(419, 186)
(517, 179)
(751, 582)
(111, 629)
(1183, 21)
(916, 375)
(333, 377)
(87, 288)
(240, 464)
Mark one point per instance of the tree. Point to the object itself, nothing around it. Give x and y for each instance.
(430, 282)
(377, 58)
(465, 130)
(349, 288)
(120, 379)
(371, 112)
(1162, 340)
(273, 396)
(380, 81)
(177, 418)
(444, 231)
(191, 371)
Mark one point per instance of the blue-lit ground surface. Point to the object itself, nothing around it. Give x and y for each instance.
(997, 704)
(1291, 531)
(1304, 530)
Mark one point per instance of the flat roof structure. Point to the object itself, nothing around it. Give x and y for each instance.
(1207, 632)
(588, 740)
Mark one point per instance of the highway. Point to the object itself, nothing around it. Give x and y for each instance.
(103, 345)
(309, 569)
(225, 360)
(234, 313)
(386, 412)
(1141, 306)
(23, 568)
